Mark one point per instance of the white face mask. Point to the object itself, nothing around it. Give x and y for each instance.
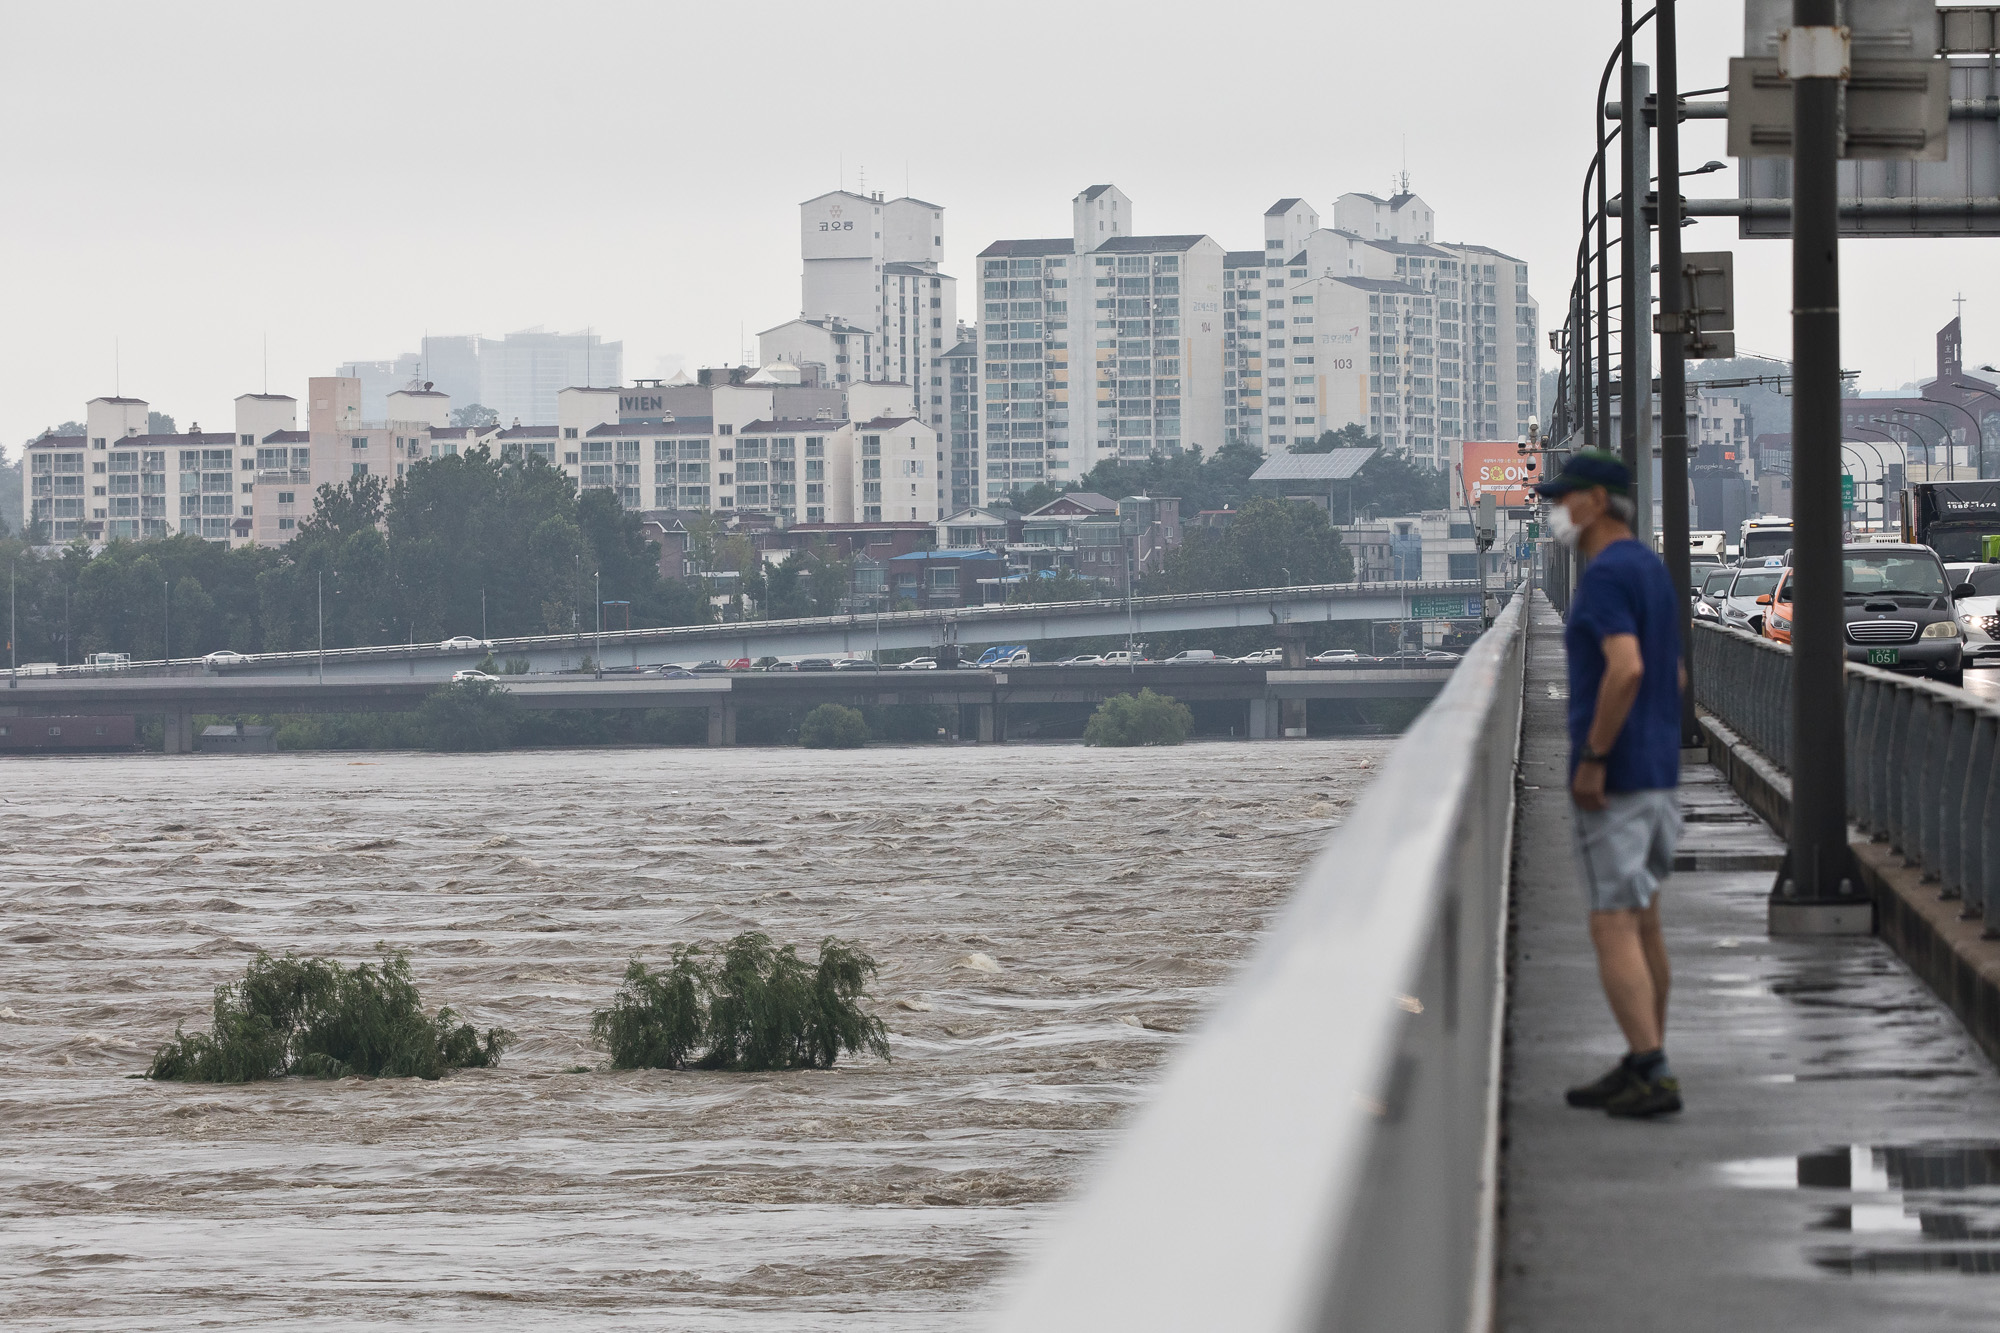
(1562, 527)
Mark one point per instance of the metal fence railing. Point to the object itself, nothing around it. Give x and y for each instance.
(1324, 1153)
(1923, 759)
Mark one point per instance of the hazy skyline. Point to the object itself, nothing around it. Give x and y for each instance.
(192, 182)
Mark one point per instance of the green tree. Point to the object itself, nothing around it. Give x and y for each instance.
(1144, 718)
(474, 414)
(470, 715)
(1271, 543)
(157, 423)
(1351, 436)
(833, 727)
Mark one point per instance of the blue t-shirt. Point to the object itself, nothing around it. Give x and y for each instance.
(1625, 590)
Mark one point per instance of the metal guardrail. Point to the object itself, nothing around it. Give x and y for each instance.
(1923, 767)
(1324, 1153)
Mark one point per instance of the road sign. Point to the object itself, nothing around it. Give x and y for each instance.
(1897, 93)
(1444, 608)
(1847, 491)
(1708, 306)
(1919, 131)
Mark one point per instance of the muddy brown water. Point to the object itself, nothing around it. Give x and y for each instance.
(1113, 891)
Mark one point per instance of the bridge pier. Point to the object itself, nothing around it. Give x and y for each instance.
(1264, 722)
(722, 723)
(992, 723)
(177, 731)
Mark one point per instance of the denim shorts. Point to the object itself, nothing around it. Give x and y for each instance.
(1627, 848)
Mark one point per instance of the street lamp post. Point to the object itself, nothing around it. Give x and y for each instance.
(1673, 354)
(1815, 889)
(597, 655)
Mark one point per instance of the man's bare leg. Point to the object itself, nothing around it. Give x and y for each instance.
(1624, 969)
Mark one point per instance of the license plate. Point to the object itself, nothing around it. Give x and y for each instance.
(1884, 656)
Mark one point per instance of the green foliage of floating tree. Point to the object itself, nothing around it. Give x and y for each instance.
(313, 1017)
(751, 1006)
(1144, 718)
(834, 727)
(658, 1018)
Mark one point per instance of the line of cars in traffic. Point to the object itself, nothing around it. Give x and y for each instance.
(1904, 609)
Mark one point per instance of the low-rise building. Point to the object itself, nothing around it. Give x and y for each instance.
(948, 577)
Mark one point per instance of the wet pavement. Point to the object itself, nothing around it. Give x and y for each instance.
(1984, 682)
(1838, 1163)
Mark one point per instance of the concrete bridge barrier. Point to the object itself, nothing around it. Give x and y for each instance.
(1323, 1153)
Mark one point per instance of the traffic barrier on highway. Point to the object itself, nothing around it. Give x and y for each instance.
(1923, 759)
(1324, 1153)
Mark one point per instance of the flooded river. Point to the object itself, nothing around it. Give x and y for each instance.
(1105, 894)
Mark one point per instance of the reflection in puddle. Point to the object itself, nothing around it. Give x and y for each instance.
(1912, 1208)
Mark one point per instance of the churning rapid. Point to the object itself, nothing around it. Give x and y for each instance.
(1047, 918)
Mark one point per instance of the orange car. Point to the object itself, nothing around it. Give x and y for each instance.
(1778, 618)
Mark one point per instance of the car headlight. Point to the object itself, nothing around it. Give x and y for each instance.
(1943, 629)
(1704, 609)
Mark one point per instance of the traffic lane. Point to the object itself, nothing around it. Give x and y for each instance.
(1983, 682)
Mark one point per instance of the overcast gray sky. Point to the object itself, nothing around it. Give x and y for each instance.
(188, 180)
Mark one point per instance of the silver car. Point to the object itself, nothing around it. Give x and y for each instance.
(1739, 605)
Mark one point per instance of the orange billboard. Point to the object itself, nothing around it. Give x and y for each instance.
(1496, 468)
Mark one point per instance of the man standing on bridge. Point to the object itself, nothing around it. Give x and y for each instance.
(1625, 679)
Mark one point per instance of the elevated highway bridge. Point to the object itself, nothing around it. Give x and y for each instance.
(833, 636)
(1264, 692)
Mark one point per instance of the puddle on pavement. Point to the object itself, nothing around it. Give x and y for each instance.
(1911, 1208)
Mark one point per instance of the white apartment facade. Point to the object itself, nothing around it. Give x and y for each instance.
(1099, 345)
(1449, 332)
(874, 264)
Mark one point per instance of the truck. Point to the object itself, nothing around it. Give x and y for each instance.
(1954, 518)
(106, 661)
(1764, 538)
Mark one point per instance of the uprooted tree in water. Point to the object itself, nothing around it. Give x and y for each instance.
(748, 1006)
(313, 1017)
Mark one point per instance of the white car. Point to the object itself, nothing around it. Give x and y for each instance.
(1083, 659)
(1192, 655)
(918, 664)
(1124, 657)
(1337, 657)
(224, 658)
(1264, 657)
(463, 643)
(1978, 616)
(470, 674)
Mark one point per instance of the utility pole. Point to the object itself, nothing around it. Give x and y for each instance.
(597, 582)
(1816, 876)
(1673, 354)
(13, 653)
(166, 626)
(482, 613)
(321, 579)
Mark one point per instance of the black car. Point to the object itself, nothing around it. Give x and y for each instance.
(815, 664)
(1899, 611)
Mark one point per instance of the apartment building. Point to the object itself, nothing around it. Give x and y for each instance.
(961, 375)
(1102, 344)
(843, 352)
(518, 375)
(1447, 357)
(874, 264)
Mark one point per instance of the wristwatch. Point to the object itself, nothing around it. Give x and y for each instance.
(1586, 755)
